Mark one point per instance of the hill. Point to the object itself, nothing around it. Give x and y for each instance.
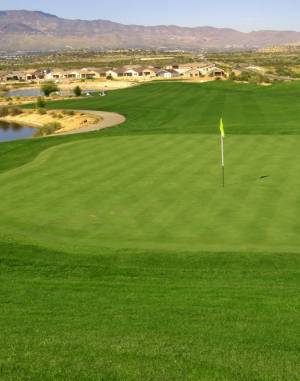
(28, 30)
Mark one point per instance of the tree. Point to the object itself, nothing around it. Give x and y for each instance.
(49, 87)
(232, 76)
(40, 103)
(77, 91)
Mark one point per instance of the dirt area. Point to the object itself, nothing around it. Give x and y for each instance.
(64, 121)
(105, 120)
(16, 101)
(97, 85)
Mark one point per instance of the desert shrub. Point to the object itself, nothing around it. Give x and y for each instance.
(49, 87)
(40, 103)
(13, 111)
(3, 88)
(60, 116)
(38, 133)
(50, 128)
(68, 112)
(232, 76)
(3, 111)
(42, 111)
(77, 91)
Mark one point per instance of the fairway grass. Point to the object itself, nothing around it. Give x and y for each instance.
(123, 258)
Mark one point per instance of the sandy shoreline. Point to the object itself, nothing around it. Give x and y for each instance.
(108, 120)
(86, 121)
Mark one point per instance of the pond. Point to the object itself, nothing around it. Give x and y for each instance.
(12, 131)
(24, 93)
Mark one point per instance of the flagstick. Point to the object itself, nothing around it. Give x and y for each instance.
(223, 161)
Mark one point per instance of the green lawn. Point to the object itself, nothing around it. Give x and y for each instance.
(122, 258)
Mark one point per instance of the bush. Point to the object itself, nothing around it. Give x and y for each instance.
(232, 76)
(50, 128)
(77, 91)
(69, 112)
(42, 111)
(3, 111)
(4, 88)
(49, 88)
(13, 111)
(40, 103)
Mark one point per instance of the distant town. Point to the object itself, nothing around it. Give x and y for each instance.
(193, 70)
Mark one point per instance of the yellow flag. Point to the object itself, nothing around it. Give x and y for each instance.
(222, 128)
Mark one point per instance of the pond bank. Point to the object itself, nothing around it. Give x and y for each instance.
(63, 121)
(82, 121)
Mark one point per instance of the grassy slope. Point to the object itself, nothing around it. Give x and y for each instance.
(148, 316)
(160, 313)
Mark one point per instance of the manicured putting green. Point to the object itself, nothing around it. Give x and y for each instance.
(161, 192)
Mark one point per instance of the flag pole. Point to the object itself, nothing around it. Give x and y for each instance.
(222, 151)
(223, 161)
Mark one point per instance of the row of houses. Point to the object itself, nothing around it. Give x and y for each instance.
(192, 70)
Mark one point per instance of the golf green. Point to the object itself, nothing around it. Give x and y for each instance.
(122, 257)
(162, 192)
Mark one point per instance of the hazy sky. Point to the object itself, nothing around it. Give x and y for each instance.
(238, 14)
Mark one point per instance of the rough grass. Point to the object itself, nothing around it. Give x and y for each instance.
(122, 258)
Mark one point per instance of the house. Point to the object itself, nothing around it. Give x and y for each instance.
(15, 76)
(71, 74)
(102, 71)
(148, 72)
(182, 69)
(218, 73)
(30, 75)
(172, 67)
(167, 74)
(131, 73)
(87, 73)
(39, 74)
(193, 73)
(206, 68)
(54, 74)
(115, 73)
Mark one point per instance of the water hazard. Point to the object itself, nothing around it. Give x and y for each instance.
(12, 131)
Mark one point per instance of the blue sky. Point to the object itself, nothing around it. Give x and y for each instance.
(243, 15)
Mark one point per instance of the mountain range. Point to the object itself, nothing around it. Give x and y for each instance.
(38, 31)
